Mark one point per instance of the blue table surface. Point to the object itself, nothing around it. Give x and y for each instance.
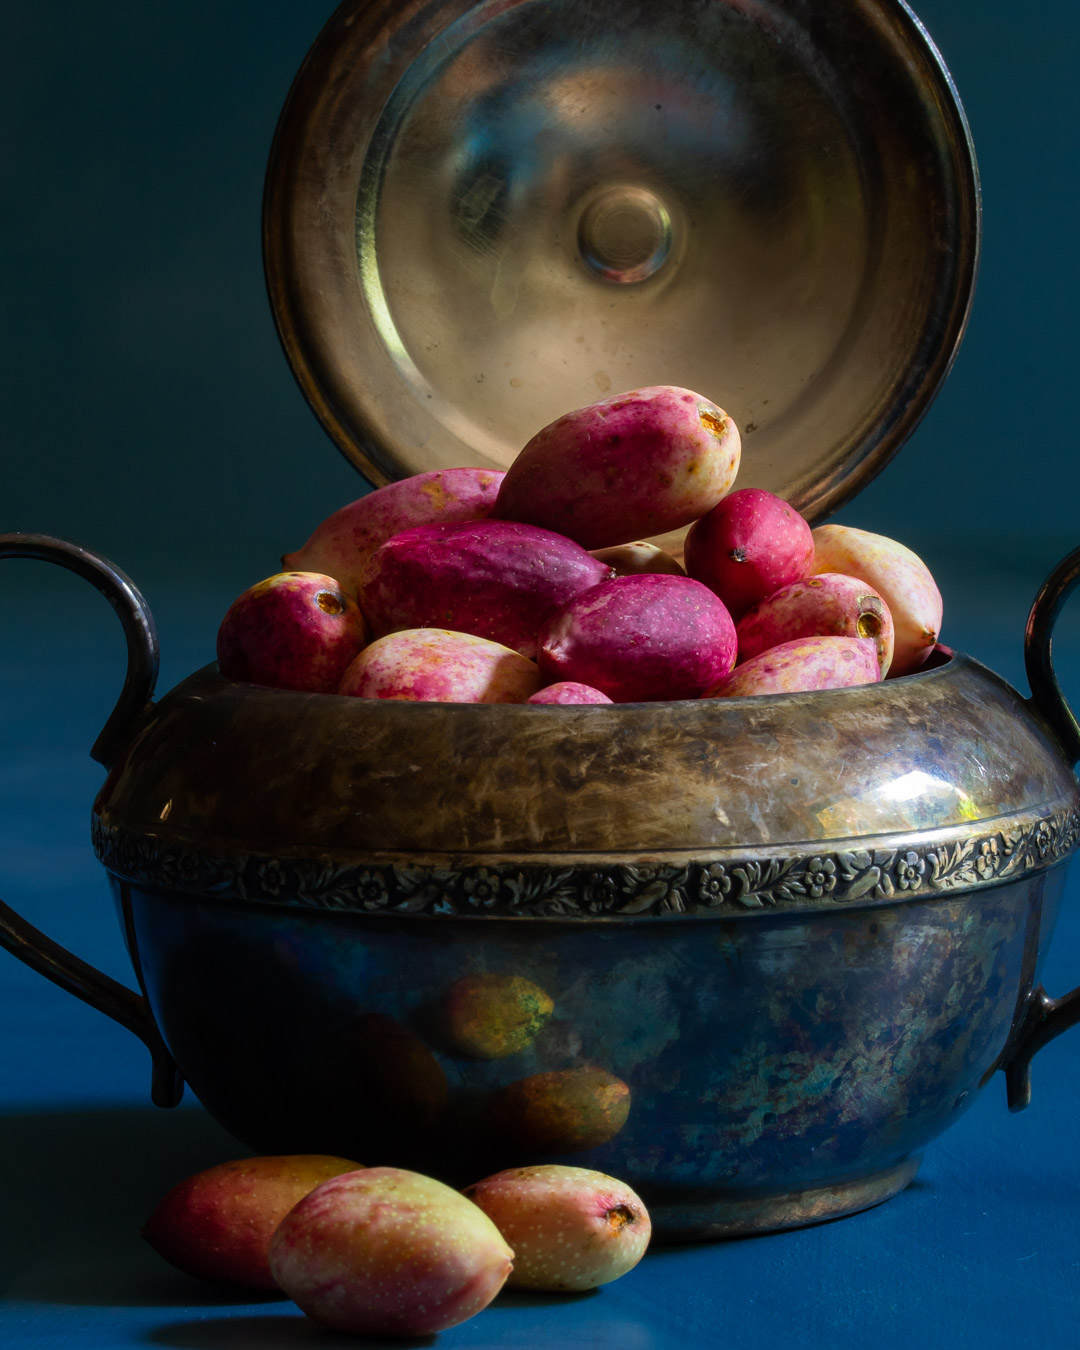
(983, 1249)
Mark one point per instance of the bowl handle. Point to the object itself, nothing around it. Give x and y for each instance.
(22, 939)
(1045, 1017)
(1046, 693)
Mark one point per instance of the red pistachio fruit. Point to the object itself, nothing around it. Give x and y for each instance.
(295, 630)
(749, 546)
(497, 579)
(640, 639)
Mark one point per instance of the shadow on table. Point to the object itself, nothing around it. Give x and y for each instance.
(288, 1331)
(78, 1186)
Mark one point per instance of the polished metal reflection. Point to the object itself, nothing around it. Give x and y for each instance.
(479, 216)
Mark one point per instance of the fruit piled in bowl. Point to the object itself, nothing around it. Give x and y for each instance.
(536, 586)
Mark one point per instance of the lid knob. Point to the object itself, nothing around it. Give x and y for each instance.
(625, 234)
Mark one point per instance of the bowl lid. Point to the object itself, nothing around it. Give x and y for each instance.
(481, 214)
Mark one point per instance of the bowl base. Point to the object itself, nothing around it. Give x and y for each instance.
(702, 1222)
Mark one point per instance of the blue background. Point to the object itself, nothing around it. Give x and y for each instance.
(150, 414)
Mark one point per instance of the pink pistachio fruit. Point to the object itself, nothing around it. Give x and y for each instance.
(899, 576)
(570, 1228)
(634, 465)
(217, 1225)
(829, 605)
(568, 691)
(801, 666)
(434, 665)
(343, 542)
(385, 1252)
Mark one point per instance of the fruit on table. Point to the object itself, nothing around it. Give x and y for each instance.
(497, 579)
(563, 1111)
(629, 560)
(802, 665)
(829, 605)
(217, 1225)
(641, 638)
(749, 546)
(634, 465)
(570, 1228)
(899, 576)
(439, 666)
(568, 691)
(383, 1251)
(490, 1016)
(295, 630)
(342, 544)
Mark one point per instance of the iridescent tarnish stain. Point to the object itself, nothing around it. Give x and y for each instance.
(716, 1069)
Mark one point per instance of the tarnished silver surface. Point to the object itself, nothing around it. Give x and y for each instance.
(481, 215)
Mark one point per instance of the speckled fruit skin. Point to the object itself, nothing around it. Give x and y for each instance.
(634, 465)
(387, 1252)
(434, 665)
(899, 576)
(562, 1111)
(829, 605)
(630, 560)
(495, 578)
(295, 630)
(797, 667)
(642, 638)
(749, 546)
(490, 1016)
(570, 1228)
(217, 1225)
(342, 544)
(568, 691)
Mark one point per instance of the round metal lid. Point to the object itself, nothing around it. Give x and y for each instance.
(479, 216)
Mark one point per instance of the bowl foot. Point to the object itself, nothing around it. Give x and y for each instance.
(697, 1221)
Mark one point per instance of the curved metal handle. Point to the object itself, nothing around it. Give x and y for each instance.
(1046, 693)
(22, 939)
(1044, 1018)
(122, 593)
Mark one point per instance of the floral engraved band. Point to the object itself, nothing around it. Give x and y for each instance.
(727, 882)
